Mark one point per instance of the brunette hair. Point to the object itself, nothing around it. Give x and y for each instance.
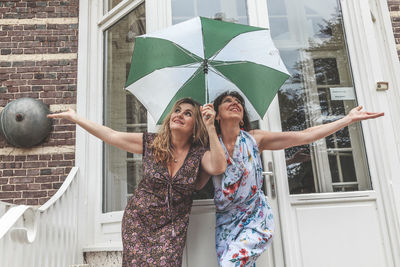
(218, 101)
(162, 146)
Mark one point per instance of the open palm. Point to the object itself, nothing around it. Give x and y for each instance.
(70, 114)
(357, 114)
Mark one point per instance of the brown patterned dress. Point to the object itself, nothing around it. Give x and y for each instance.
(156, 218)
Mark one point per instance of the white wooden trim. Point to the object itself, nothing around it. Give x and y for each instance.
(161, 10)
(258, 13)
(8, 220)
(86, 154)
(382, 161)
(118, 12)
(390, 55)
(60, 191)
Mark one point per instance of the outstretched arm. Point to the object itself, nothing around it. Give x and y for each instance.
(213, 161)
(276, 140)
(131, 142)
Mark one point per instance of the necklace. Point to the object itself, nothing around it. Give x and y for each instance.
(175, 160)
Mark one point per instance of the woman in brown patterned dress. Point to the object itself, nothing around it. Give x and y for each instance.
(175, 163)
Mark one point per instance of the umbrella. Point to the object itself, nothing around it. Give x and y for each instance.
(201, 58)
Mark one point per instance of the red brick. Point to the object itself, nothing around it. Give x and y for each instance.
(20, 187)
(20, 201)
(19, 172)
(46, 186)
(51, 192)
(10, 195)
(46, 179)
(57, 157)
(33, 186)
(32, 172)
(34, 194)
(20, 158)
(45, 157)
(33, 201)
(21, 180)
(32, 157)
(43, 200)
(57, 185)
(8, 187)
(7, 172)
(59, 163)
(69, 156)
(34, 164)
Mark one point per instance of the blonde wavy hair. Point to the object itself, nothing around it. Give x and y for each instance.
(162, 146)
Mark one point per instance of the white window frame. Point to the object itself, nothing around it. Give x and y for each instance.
(102, 230)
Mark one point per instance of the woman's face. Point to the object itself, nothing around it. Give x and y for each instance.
(182, 119)
(230, 108)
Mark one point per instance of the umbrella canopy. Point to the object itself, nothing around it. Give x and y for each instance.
(201, 58)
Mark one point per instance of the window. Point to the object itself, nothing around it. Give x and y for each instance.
(122, 111)
(311, 40)
(110, 4)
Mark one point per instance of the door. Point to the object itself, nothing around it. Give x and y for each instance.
(330, 210)
(200, 248)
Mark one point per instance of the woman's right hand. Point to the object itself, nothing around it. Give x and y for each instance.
(208, 115)
(70, 115)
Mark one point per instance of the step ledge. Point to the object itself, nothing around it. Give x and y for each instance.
(101, 248)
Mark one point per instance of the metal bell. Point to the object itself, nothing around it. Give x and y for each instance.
(24, 122)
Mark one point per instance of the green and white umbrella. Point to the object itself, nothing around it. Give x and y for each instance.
(201, 58)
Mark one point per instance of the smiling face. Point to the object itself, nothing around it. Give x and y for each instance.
(230, 108)
(182, 118)
(230, 105)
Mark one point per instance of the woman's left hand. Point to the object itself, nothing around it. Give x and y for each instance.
(208, 114)
(357, 114)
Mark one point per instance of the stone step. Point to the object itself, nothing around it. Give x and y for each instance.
(103, 259)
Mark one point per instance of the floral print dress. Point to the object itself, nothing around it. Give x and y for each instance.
(244, 220)
(156, 219)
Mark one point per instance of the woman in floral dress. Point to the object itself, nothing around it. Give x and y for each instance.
(244, 220)
(175, 163)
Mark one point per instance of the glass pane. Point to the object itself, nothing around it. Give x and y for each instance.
(122, 111)
(310, 37)
(110, 4)
(227, 10)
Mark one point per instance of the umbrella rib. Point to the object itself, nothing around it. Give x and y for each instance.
(185, 51)
(220, 74)
(189, 65)
(224, 63)
(192, 77)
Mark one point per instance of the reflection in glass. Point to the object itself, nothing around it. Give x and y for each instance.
(110, 4)
(227, 10)
(122, 111)
(309, 35)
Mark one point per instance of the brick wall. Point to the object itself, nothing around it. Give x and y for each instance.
(394, 8)
(38, 59)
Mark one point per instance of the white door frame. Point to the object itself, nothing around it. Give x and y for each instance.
(383, 153)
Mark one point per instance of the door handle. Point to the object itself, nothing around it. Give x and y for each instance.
(271, 175)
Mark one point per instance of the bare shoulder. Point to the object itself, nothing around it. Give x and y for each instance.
(258, 134)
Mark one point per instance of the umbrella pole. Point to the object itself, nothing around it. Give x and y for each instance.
(206, 87)
(205, 69)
